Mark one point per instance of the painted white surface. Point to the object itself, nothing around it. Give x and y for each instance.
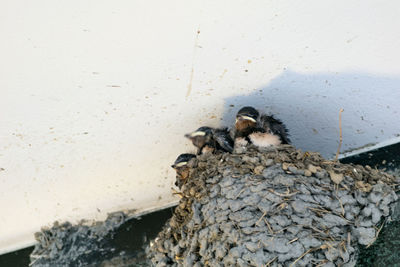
(95, 95)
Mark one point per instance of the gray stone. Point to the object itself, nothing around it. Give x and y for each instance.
(236, 205)
(331, 220)
(361, 198)
(365, 235)
(367, 211)
(310, 242)
(268, 162)
(272, 197)
(283, 180)
(376, 215)
(321, 174)
(301, 221)
(227, 181)
(332, 253)
(348, 199)
(253, 247)
(240, 216)
(299, 206)
(253, 199)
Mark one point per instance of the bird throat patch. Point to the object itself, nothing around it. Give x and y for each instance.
(242, 125)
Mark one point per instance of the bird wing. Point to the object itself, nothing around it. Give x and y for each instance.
(223, 139)
(270, 124)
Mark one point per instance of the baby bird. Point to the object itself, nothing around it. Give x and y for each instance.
(182, 168)
(209, 140)
(246, 121)
(262, 131)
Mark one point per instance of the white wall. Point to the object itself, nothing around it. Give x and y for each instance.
(96, 95)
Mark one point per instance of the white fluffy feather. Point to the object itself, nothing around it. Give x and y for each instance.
(264, 139)
(240, 141)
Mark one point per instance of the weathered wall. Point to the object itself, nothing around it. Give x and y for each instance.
(96, 95)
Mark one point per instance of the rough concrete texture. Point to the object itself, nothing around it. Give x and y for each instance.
(275, 207)
(74, 245)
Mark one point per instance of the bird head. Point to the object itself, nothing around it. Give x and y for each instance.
(182, 160)
(246, 118)
(200, 137)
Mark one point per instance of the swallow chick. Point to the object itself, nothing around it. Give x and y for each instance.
(209, 140)
(246, 121)
(262, 131)
(245, 124)
(182, 168)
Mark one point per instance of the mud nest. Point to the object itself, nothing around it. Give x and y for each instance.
(74, 245)
(274, 207)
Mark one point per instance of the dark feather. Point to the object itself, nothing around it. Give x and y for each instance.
(213, 140)
(223, 139)
(275, 126)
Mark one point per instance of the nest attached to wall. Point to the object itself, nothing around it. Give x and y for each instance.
(66, 244)
(274, 207)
